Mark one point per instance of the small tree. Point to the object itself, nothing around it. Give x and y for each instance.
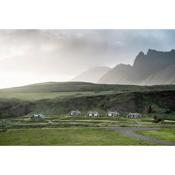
(149, 109)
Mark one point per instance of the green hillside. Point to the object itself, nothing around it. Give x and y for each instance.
(83, 86)
(60, 98)
(160, 101)
(70, 87)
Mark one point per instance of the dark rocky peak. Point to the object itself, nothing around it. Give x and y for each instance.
(155, 57)
(152, 52)
(141, 54)
(138, 58)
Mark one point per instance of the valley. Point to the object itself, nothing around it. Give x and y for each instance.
(56, 100)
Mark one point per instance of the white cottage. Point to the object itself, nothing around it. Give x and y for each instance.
(75, 113)
(134, 115)
(93, 114)
(38, 117)
(113, 114)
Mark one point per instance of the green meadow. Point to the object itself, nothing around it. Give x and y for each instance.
(162, 134)
(66, 136)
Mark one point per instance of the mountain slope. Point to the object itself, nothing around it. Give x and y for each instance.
(92, 75)
(153, 68)
(167, 75)
(153, 62)
(120, 75)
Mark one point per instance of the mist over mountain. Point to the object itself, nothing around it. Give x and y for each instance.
(120, 74)
(92, 75)
(34, 56)
(154, 67)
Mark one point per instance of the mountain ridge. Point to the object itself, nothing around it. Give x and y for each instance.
(145, 70)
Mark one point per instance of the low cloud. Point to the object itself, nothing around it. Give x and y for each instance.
(66, 53)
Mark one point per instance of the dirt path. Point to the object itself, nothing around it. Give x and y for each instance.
(131, 132)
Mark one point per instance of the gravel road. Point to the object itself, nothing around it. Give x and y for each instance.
(131, 132)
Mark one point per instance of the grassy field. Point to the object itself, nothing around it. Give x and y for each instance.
(32, 96)
(82, 130)
(162, 134)
(68, 136)
(57, 121)
(35, 95)
(41, 95)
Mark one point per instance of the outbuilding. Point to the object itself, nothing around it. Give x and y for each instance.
(93, 114)
(38, 117)
(134, 115)
(113, 114)
(75, 113)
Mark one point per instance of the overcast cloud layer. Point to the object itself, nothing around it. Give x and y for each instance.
(30, 56)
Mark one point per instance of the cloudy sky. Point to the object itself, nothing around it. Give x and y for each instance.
(30, 56)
